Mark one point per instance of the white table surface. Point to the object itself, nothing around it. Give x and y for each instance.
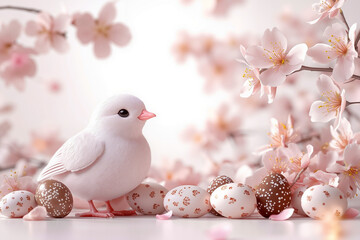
(148, 227)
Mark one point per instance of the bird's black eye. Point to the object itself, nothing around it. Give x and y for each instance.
(123, 113)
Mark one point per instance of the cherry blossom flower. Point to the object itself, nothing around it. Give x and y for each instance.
(8, 157)
(175, 174)
(274, 57)
(201, 139)
(252, 83)
(327, 8)
(340, 48)
(332, 106)
(222, 123)
(46, 143)
(183, 47)
(297, 160)
(343, 136)
(220, 7)
(8, 35)
(280, 134)
(19, 66)
(348, 170)
(102, 30)
(14, 183)
(50, 32)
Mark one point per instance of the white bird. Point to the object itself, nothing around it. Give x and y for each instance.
(107, 159)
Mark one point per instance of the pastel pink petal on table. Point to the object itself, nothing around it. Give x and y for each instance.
(219, 232)
(284, 215)
(107, 13)
(120, 34)
(351, 213)
(101, 47)
(37, 214)
(165, 216)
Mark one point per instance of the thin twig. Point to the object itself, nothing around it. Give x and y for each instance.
(32, 10)
(319, 69)
(344, 20)
(308, 138)
(351, 103)
(298, 176)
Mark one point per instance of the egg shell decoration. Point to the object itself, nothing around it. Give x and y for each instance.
(17, 204)
(55, 197)
(296, 201)
(273, 195)
(234, 200)
(188, 201)
(147, 198)
(319, 201)
(215, 183)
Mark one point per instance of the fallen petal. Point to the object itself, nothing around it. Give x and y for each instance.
(220, 232)
(351, 213)
(165, 216)
(37, 214)
(284, 215)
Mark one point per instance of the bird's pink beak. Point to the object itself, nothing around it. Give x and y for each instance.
(145, 115)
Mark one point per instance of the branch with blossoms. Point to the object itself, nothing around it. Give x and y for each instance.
(304, 153)
(50, 33)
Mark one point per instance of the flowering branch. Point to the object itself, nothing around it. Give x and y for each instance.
(32, 10)
(298, 176)
(319, 69)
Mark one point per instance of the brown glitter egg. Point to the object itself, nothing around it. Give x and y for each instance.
(273, 195)
(55, 197)
(215, 183)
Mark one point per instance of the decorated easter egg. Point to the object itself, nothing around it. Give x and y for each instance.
(17, 204)
(215, 183)
(187, 201)
(296, 201)
(321, 201)
(55, 197)
(273, 195)
(234, 200)
(147, 198)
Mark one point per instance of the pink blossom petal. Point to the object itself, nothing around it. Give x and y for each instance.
(42, 44)
(107, 13)
(101, 47)
(351, 213)
(322, 53)
(336, 30)
(284, 215)
(85, 24)
(120, 34)
(37, 214)
(351, 154)
(256, 56)
(344, 68)
(272, 77)
(219, 232)
(11, 31)
(296, 55)
(59, 43)
(319, 113)
(61, 22)
(352, 32)
(45, 19)
(274, 40)
(326, 84)
(165, 216)
(32, 28)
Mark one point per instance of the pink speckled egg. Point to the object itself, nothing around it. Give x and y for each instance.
(17, 204)
(234, 200)
(147, 198)
(188, 201)
(323, 200)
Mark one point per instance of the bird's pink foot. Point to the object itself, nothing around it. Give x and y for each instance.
(109, 209)
(95, 214)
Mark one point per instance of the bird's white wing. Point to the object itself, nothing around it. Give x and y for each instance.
(77, 153)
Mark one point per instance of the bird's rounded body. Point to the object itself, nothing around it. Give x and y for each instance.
(122, 167)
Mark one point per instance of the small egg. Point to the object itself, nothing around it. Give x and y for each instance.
(55, 197)
(296, 201)
(187, 201)
(215, 183)
(17, 204)
(147, 198)
(320, 201)
(234, 200)
(273, 195)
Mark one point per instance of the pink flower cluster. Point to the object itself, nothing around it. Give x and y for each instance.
(51, 32)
